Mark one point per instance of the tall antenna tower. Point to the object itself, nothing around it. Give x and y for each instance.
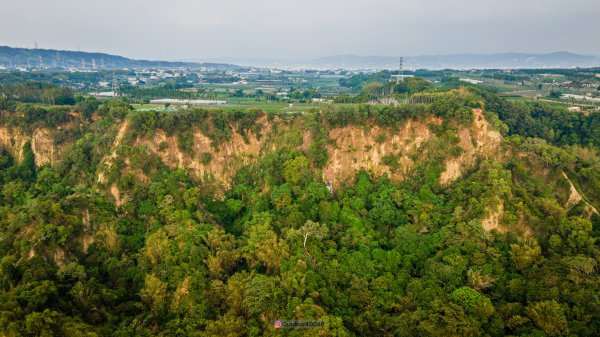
(94, 63)
(114, 84)
(41, 63)
(400, 71)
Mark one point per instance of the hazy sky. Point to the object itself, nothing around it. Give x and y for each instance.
(187, 29)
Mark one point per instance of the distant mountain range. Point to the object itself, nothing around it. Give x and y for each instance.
(464, 61)
(454, 61)
(51, 58)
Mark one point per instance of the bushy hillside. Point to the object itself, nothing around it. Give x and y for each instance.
(51, 58)
(445, 219)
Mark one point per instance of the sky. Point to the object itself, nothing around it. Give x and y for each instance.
(301, 29)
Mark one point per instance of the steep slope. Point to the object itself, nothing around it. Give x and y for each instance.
(575, 198)
(109, 161)
(478, 141)
(380, 150)
(42, 144)
(205, 161)
(356, 148)
(349, 149)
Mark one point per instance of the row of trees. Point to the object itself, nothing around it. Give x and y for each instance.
(38, 93)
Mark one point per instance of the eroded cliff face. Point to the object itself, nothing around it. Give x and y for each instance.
(349, 149)
(355, 148)
(13, 141)
(478, 141)
(575, 198)
(108, 161)
(204, 161)
(42, 144)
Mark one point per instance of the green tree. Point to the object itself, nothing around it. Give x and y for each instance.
(549, 316)
(154, 294)
(525, 252)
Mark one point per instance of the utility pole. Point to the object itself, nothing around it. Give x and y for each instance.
(114, 85)
(400, 71)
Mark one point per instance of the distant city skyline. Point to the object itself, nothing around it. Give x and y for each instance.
(282, 29)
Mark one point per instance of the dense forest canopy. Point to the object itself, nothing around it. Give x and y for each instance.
(173, 254)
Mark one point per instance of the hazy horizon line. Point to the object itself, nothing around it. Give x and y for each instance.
(265, 58)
